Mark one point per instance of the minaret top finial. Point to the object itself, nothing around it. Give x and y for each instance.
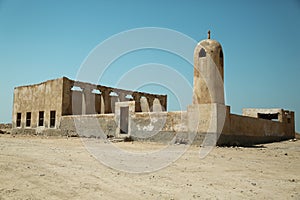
(208, 34)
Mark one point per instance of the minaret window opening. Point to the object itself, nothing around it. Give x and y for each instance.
(202, 53)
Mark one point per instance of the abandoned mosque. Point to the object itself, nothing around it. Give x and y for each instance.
(73, 108)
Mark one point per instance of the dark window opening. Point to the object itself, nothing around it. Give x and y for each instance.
(202, 53)
(18, 122)
(41, 118)
(28, 119)
(52, 118)
(269, 116)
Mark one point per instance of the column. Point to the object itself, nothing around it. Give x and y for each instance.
(136, 97)
(107, 100)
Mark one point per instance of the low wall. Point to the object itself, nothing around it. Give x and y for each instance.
(150, 126)
(169, 127)
(88, 125)
(35, 131)
(164, 127)
(144, 124)
(245, 130)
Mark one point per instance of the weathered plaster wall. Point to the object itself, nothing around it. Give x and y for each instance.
(163, 127)
(246, 130)
(243, 125)
(142, 125)
(158, 125)
(46, 96)
(88, 125)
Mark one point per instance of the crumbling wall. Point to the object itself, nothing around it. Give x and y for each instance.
(159, 126)
(159, 121)
(6, 126)
(97, 99)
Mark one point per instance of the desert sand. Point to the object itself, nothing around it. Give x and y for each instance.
(33, 167)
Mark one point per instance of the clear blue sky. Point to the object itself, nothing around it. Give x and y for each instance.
(42, 40)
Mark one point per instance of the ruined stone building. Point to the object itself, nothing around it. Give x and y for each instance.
(67, 107)
(41, 106)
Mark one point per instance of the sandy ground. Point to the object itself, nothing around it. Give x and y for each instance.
(61, 168)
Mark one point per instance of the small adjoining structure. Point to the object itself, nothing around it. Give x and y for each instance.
(66, 107)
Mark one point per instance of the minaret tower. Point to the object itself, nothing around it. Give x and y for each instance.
(208, 72)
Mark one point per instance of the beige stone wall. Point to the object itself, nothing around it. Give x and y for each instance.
(46, 96)
(243, 125)
(99, 125)
(244, 130)
(142, 125)
(237, 125)
(285, 117)
(159, 121)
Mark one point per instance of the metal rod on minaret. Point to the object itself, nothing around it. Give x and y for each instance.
(208, 34)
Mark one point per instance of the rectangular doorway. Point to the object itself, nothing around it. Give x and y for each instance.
(124, 115)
